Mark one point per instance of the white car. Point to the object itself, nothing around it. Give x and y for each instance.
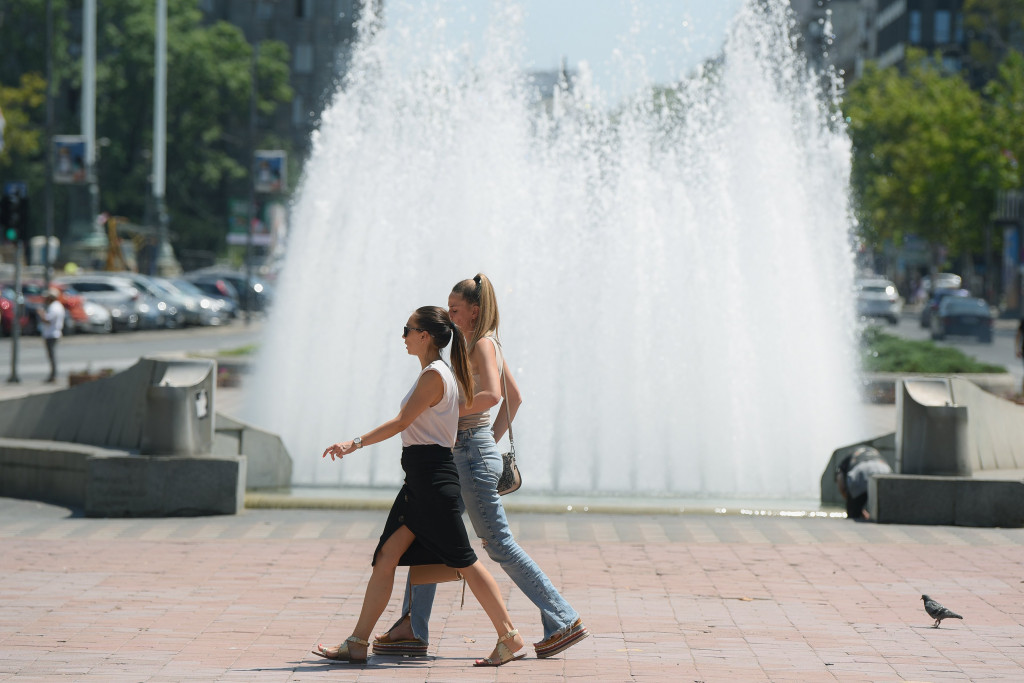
(878, 298)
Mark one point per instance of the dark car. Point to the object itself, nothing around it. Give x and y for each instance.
(932, 307)
(258, 290)
(963, 316)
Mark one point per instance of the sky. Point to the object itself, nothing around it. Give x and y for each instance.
(669, 36)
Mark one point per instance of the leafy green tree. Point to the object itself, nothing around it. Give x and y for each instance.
(925, 161)
(208, 89)
(1006, 96)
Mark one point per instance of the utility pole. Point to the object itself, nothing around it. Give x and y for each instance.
(89, 105)
(160, 127)
(48, 197)
(247, 298)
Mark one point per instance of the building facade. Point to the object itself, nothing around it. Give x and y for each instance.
(319, 34)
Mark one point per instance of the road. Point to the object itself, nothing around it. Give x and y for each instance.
(119, 351)
(999, 352)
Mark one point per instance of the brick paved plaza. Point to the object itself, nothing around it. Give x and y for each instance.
(667, 598)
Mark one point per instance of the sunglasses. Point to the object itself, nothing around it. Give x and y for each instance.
(406, 329)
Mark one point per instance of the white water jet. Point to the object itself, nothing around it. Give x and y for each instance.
(674, 274)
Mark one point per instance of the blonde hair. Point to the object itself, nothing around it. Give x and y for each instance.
(478, 291)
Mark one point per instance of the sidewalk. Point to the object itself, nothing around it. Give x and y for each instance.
(667, 598)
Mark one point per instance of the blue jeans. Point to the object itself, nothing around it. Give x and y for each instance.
(479, 464)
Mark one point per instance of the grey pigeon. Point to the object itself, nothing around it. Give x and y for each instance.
(937, 611)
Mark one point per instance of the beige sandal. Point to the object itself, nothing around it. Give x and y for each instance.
(342, 655)
(505, 655)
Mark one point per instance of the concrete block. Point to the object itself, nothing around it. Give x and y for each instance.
(990, 503)
(917, 499)
(148, 486)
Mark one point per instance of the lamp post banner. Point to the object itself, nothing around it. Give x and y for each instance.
(271, 171)
(69, 165)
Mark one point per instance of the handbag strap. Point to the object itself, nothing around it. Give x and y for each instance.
(504, 395)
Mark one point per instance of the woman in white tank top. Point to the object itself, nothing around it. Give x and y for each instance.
(425, 524)
(474, 309)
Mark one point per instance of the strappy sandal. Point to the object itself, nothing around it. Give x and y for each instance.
(343, 654)
(405, 647)
(505, 655)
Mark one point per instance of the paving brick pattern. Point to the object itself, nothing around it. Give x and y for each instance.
(667, 598)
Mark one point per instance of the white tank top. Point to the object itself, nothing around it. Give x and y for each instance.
(437, 424)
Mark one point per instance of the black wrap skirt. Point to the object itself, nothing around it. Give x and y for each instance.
(428, 504)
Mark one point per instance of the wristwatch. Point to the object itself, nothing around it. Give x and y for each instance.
(357, 442)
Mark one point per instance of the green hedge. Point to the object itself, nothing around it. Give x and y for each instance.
(883, 352)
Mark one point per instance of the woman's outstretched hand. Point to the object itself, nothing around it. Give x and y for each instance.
(339, 450)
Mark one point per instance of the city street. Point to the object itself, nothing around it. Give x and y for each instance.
(999, 352)
(119, 351)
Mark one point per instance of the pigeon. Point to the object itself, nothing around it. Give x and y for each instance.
(937, 611)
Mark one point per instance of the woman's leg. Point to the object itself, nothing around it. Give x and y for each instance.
(415, 613)
(378, 589)
(485, 589)
(479, 464)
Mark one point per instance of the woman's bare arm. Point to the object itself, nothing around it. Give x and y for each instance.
(429, 390)
(513, 398)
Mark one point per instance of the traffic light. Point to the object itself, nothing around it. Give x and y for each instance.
(14, 216)
(6, 214)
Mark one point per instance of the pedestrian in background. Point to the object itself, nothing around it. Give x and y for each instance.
(852, 476)
(51, 317)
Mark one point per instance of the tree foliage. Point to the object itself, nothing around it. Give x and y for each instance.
(925, 159)
(1006, 96)
(209, 80)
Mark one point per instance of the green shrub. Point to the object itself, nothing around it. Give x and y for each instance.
(883, 352)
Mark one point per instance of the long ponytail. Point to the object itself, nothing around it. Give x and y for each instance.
(461, 366)
(435, 321)
(478, 291)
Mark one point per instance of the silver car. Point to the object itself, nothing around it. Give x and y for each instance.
(126, 304)
(878, 298)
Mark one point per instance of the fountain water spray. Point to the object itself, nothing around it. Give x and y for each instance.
(673, 273)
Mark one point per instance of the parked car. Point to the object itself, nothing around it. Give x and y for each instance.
(99, 320)
(259, 290)
(963, 316)
(7, 298)
(211, 310)
(941, 281)
(129, 308)
(170, 307)
(878, 298)
(932, 307)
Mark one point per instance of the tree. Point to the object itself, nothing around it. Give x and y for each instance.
(208, 88)
(925, 162)
(1006, 96)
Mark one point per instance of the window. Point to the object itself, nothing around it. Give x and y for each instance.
(958, 28)
(914, 33)
(943, 26)
(298, 111)
(951, 64)
(302, 9)
(303, 58)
